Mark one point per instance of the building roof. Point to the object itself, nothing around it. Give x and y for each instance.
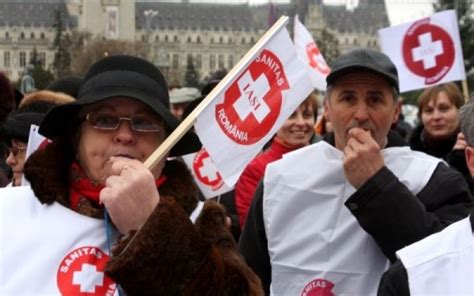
(195, 16)
(33, 13)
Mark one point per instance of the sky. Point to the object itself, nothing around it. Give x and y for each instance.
(399, 11)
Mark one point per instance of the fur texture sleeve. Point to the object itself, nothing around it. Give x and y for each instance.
(172, 256)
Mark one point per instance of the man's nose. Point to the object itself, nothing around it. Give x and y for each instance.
(361, 112)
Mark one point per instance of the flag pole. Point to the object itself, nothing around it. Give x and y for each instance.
(189, 121)
(465, 90)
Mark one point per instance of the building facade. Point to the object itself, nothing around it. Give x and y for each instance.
(211, 36)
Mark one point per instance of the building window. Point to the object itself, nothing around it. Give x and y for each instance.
(22, 59)
(189, 40)
(166, 38)
(354, 41)
(42, 59)
(157, 38)
(175, 60)
(189, 59)
(22, 35)
(230, 40)
(243, 40)
(6, 59)
(212, 40)
(7, 35)
(32, 35)
(212, 62)
(252, 40)
(221, 61)
(198, 61)
(175, 38)
(42, 35)
(143, 38)
(198, 40)
(230, 61)
(221, 40)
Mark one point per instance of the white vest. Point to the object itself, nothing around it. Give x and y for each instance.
(49, 249)
(315, 244)
(443, 263)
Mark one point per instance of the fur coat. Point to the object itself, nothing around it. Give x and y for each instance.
(170, 255)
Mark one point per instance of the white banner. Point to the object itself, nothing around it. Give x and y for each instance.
(35, 140)
(309, 53)
(253, 105)
(205, 174)
(426, 52)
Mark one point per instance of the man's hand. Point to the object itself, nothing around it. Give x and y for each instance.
(362, 157)
(130, 194)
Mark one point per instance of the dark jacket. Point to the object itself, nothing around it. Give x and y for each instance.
(384, 208)
(394, 281)
(170, 255)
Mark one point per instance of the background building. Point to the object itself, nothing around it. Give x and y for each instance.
(210, 36)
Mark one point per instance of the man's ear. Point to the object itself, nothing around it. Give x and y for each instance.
(469, 154)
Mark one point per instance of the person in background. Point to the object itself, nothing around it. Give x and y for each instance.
(441, 264)
(180, 98)
(296, 132)
(16, 128)
(438, 111)
(328, 218)
(8, 96)
(123, 224)
(439, 133)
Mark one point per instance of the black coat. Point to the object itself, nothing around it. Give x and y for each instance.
(384, 208)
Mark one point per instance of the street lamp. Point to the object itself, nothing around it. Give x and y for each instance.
(149, 15)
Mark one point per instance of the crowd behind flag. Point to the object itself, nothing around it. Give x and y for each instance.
(426, 52)
(309, 53)
(253, 105)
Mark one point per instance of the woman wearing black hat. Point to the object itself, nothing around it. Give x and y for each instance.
(164, 242)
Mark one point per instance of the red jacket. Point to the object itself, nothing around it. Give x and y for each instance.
(253, 173)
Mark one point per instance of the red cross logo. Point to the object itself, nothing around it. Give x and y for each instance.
(428, 51)
(81, 272)
(318, 287)
(206, 171)
(316, 60)
(252, 103)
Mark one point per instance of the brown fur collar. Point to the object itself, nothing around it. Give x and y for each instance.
(48, 172)
(46, 96)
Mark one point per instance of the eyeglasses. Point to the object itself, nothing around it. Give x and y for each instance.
(139, 123)
(15, 150)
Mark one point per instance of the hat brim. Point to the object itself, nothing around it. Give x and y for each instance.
(61, 119)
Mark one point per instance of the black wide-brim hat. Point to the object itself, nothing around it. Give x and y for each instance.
(363, 59)
(120, 76)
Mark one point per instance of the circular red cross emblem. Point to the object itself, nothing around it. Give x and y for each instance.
(316, 59)
(318, 287)
(252, 103)
(428, 51)
(81, 272)
(206, 171)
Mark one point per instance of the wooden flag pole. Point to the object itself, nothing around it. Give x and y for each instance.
(465, 90)
(189, 121)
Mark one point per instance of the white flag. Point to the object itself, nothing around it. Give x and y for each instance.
(309, 53)
(205, 174)
(253, 105)
(426, 52)
(35, 140)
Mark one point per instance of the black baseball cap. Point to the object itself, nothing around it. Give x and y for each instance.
(364, 60)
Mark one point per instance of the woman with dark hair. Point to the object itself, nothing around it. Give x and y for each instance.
(90, 190)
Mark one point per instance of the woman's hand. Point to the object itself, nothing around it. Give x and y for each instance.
(130, 194)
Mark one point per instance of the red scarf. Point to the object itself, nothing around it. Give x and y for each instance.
(82, 186)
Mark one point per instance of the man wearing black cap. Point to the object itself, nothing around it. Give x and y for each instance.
(327, 219)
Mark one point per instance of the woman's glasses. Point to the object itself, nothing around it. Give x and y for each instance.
(139, 123)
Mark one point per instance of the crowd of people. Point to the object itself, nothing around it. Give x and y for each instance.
(345, 203)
